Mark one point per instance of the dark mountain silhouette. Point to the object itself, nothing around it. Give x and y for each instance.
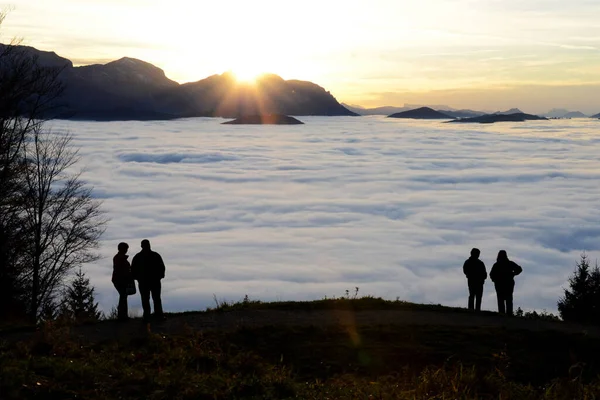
(491, 118)
(421, 113)
(462, 113)
(133, 89)
(388, 110)
(437, 107)
(222, 96)
(122, 89)
(272, 119)
(595, 116)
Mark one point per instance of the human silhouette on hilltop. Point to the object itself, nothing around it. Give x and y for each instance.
(503, 275)
(148, 269)
(122, 279)
(476, 274)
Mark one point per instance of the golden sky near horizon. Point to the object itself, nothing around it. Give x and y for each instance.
(481, 54)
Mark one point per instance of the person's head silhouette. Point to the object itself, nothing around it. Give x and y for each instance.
(145, 244)
(123, 247)
(475, 252)
(502, 256)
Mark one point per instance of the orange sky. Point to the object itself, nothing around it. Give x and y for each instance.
(481, 54)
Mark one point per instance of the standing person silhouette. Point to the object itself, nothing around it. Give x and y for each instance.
(503, 275)
(121, 277)
(474, 270)
(148, 269)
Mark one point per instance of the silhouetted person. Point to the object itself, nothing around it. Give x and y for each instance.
(148, 269)
(476, 274)
(503, 275)
(121, 277)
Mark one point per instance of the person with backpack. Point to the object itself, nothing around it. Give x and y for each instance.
(503, 275)
(474, 270)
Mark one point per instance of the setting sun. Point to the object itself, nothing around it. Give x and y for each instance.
(247, 74)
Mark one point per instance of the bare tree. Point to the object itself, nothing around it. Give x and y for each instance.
(63, 220)
(28, 94)
(49, 222)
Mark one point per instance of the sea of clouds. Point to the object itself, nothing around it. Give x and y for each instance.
(390, 206)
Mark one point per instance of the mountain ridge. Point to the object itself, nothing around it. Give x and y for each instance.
(501, 117)
(133, 89)
(421, 113)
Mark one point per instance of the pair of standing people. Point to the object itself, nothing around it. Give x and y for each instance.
(502, 274)
(148, 268)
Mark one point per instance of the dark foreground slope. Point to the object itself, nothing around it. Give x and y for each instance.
(340, 349)
(133, 89)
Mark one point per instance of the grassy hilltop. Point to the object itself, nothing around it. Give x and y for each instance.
(347, 348)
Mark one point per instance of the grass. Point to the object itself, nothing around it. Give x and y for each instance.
(348, 302)
(278, 362)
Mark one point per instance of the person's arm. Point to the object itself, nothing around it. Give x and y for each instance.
(516, 269)
(493, 273)
(134, 268)
(161, 266)
(485, 275)
(465, 269)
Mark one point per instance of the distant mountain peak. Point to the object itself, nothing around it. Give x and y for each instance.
(500, 117)
(131, 62)
(135, 64)
(509, 112)
(421, 113)
(564, 113)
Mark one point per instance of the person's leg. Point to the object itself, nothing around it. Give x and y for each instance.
(478, 296)
(500, 297)
(509, 303)
(144, 289)
(471, 295)
(122, 311)
(156, 288)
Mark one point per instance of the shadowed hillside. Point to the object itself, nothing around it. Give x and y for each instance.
(133, 89)
(338, 349)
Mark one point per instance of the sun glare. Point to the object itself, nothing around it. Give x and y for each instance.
(247, 74)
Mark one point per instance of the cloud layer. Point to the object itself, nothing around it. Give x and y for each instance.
(392, 207)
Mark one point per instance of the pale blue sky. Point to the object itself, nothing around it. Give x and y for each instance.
(534, 54)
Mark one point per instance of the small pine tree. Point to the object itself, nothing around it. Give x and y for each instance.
(79, 303)
(50, 311)
(582, 302)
